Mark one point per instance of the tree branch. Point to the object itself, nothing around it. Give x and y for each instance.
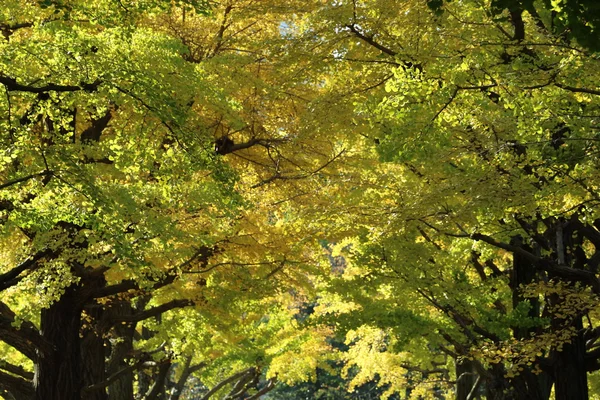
(16, 370)
(159, 382)
(25, 338)
(373, 43)
(278, 175)
(572, 274)
(224, 382)
(117, 375)
(20, 388)
(577, 90)
(12, 86)
(153, 311)
(9, 278)
(24, 179)
(7, 30)
(94, 131)
(202, 255)
(270, 386)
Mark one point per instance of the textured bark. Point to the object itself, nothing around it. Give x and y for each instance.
(58, 375)
(465, 378)
(143, 378)
(497, 386)
(569, 369)
(527, 385)
(93, 354)
(121, 351)
(13, 387)
(157, 390)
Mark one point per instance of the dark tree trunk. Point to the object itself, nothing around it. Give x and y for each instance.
(144, 379)
(569, 369)
(497, 386)
(121, 352)
(526, 386)
(58, 376)
(93, 353)
(465, 378)
(529, 386)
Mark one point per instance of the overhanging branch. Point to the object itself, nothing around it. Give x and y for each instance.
(12, 85)
(153, 311)
(9, 278)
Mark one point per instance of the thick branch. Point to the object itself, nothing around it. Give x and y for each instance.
(24, 179)
(372, 42)
(153, 311)
(577, 90)
(25, 338)
(516, 17)
(562, 271)
(224, 382)
(513, 249)
(9, 278)
(188, 369)
(159, 382)
(20, 388)
(201, 256)
(270, 386)
(12, 86)
(242, 386)
(477, 265)
(92, 134)
(118, 374)
(7, 30)
(16, 370)
(226, 146)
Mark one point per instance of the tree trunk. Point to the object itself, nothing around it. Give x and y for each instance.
(526, 386)
(143, 378)
(569, 369)
(465, 378)
(497, 386)
(93, 353)
(58, 376)
(121, 351)
(569, 364)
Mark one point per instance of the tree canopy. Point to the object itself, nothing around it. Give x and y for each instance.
(242, 199)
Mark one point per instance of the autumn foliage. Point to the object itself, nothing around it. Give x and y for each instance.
(248, 199)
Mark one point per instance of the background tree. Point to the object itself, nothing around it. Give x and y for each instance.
(124, 197)
(486, 115)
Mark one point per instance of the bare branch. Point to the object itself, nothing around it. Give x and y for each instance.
(372, 42)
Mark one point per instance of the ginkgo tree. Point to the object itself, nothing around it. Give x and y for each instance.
(477, 238)
(172, 173)
(154, 158)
